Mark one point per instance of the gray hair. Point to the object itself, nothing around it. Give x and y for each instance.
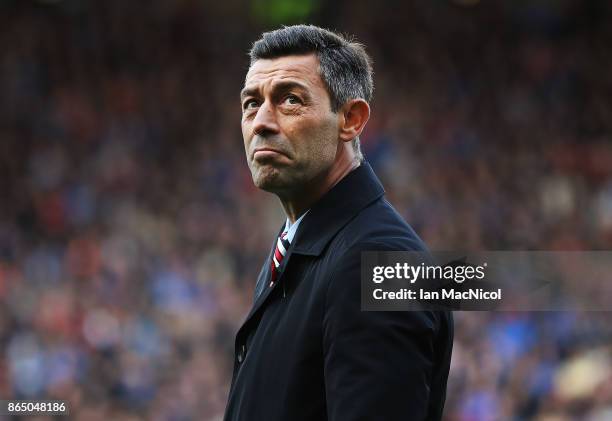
(344, 65)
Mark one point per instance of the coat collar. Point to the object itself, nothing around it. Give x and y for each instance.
(333, 211)
(336, 208)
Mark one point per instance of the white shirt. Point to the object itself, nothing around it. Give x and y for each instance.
(291, 229)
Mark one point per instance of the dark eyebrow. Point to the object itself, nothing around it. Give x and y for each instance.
(288, 85)
(248, 92)
(278, 86)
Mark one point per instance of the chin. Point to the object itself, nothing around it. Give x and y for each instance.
(267, 178)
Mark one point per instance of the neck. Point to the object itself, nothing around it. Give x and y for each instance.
(299, 202)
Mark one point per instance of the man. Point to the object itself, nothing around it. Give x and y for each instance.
(306, 351)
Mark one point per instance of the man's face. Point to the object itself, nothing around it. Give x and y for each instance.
(290, 133)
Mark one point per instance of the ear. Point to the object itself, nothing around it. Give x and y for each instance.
(353, 117)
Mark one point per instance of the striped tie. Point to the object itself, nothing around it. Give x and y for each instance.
(282, 245)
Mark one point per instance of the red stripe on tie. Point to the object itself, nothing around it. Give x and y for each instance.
(278, 254)
(279, 257)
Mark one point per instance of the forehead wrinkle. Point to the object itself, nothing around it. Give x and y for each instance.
(281, 84)
(287, 68)
(254, 89)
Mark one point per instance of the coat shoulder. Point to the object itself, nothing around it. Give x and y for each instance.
(378, 227)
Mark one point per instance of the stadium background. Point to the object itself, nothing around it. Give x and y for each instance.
(131, 234)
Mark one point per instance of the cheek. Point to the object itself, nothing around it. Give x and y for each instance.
(312, 132)
(246, 130)
(325, 136)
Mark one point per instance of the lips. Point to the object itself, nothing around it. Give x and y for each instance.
(265, 152)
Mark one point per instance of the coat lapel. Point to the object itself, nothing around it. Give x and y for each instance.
(264, 275)
(325, 219)
(262, 288)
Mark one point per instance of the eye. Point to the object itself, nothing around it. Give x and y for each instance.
(292, 100)
(249, 104)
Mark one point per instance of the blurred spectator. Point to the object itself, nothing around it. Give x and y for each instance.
(131, 234)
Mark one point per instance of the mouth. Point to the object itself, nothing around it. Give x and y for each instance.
(268, 153)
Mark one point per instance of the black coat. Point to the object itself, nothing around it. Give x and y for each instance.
(307, 352)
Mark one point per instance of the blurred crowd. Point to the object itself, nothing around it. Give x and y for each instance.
(131, 234)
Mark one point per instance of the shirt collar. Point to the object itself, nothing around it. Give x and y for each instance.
(291, 229)
(335, 209)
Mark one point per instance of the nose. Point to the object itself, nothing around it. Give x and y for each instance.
(265, 122)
